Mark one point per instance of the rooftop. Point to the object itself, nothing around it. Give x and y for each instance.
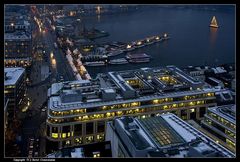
(227, 112)
(169, 136)
(126, 86)
(12, 75)
(17, 35)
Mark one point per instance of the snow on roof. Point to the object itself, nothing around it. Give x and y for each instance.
(16, 35)
(185, 134)
(109, 90)
(78, 153)
(56, 87)
(202, 147)
(218, 70)
(12, 75)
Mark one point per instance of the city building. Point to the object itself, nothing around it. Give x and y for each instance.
(14, 89)
(221, 122)
(197, 72)
(78, 110)
(225, 97)
(214, 82)
(17, 37)
(18, 47)
(162, 136)
(101, 149)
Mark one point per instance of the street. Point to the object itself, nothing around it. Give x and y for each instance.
(33, 120)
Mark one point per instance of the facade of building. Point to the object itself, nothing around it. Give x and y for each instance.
(18, 49)
(14, 89)
(79, 110)
(221, 122)
(162, 136)
(17, 38)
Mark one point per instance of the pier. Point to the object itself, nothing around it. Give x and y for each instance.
(78, 62)
(119, 49)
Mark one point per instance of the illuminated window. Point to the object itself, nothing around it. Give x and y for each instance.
(64, 135)
(191, 103)
(108, 114)
(181, 104)
(96, 154)
(186, 97)
(165, 107)
(104, 107)
(119, 113)
(134, 104)
(85, 117)
(136, 110)
(89, 139)
(210, 94)
(192, 110)
(100, 137)
(68, 134)
(54, 135)
(78, 140)
(155, 101)
(67, 142)
(230, 143)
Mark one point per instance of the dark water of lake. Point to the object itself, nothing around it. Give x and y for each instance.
(192, 41)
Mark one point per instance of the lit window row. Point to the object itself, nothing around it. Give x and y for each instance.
(61, 135)
(125, 112)
(159, 101)
(222, 120)
(70, 112)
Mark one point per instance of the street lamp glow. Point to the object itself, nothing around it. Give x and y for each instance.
(53, 61)
(51, 55)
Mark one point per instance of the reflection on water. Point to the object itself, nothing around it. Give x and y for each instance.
(192, 41)
(99, 18)
(213, 36)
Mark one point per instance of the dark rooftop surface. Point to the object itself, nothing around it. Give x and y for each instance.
(161, 132)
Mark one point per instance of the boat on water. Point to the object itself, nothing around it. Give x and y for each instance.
(115, 53)
(137, 55)
(138, 58)
(95, 63)
(118, 61)
(214, 22)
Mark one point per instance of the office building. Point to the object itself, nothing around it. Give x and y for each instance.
(78, 110)
(162, 136)
(18, 47)
(221, 122)
(14, 89)
(17, 37)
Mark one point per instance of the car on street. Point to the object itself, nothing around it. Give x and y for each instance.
(31, 144)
